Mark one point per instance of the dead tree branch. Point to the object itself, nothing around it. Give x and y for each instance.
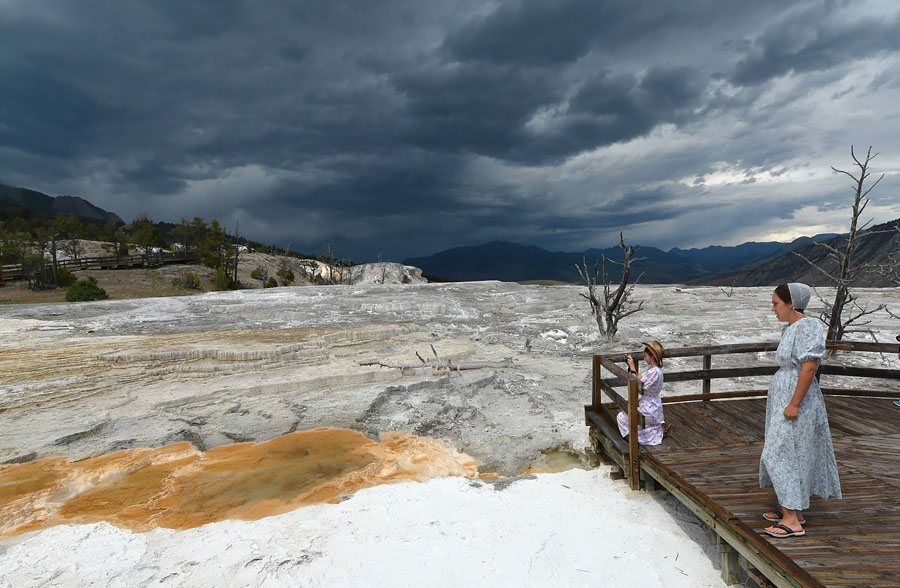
(891, 269)
(442, 365)
(848, 268)
(446, 365)
(730, 291)
(616, 304)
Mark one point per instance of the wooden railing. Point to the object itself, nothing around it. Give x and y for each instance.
(17, 271)
(629, 401)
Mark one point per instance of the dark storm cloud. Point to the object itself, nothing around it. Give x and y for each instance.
(626, 106)
(486, 109)
(479, 108)
(392, 185)
(537, 33)
(189, 19)
(409, 126)
(294, 53)
(528, 32)
(60, 115)
(506, 67)
(801, 44)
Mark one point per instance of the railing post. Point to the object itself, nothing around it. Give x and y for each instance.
(597, 394)
(729, 561)
(634, 479)
(637, 368)
(707, 365)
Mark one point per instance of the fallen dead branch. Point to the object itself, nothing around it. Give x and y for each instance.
(443, 364)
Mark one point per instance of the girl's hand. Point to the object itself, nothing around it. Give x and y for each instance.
(630, 361)
(791, 412)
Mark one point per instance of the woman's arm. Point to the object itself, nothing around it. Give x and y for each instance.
(807, 373)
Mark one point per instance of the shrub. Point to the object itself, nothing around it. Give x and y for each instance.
(261, 273)
(186, 281)
(66, 278)
(222, 281)
(84, 290)
(287, 276)
(272, 283)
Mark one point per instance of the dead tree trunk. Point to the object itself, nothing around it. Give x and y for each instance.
(617, 304)
(848, 268)
(383, 267)
(53, 238)
(41, 243)
(237, 249)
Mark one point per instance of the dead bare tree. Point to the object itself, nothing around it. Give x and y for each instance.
(330, 261)
(346, 275)
(848, 269)
(730, 291)
(236, 249)
(891, 271)
(616, 304)
(442, 365)
(383, 267)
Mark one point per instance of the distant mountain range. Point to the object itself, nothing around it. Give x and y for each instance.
(872, 247)
(748, 264)
(43, 204)
(501, 260)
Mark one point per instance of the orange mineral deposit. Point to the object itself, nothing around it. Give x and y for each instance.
(179, 487)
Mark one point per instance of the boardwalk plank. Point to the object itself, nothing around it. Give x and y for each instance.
(715, 448)
(848, 541)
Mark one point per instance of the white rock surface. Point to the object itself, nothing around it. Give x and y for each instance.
(572, 529)
(386, 273)
(89, 378)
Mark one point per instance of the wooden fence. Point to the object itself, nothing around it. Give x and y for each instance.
(17, 271)
(634, 388)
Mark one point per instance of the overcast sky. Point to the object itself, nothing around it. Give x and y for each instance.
(405, 127)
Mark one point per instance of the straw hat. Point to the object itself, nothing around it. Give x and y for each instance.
(656, 350)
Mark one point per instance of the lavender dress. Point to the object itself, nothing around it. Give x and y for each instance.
(650, 405)
(797, 457)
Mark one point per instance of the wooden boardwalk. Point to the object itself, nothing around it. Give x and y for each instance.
(710, 462)
(713, 452)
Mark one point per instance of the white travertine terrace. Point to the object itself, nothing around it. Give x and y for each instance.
(84, 380)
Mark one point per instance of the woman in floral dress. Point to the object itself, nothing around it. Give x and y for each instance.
(797, 458)
(650, 404)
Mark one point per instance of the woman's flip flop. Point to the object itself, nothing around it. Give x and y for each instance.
(788, 532)
(778, 516)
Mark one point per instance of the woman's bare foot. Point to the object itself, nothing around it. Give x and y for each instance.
(775, 516)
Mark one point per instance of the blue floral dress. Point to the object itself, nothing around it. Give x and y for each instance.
(798, 457)
(650, 405)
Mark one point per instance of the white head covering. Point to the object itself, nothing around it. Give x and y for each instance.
(800, 294)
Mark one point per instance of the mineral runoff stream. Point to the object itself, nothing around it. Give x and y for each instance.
(180, 487)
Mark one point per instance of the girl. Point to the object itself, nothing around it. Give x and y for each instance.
(650, 404)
